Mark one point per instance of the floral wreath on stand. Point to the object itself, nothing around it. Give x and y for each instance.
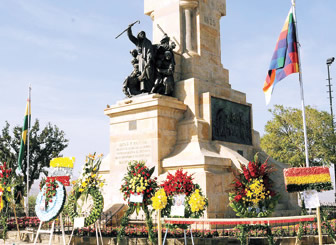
(6, 196)
(86, 199)
(180, 190)
(51, 198)
(253, 196)
(138, 188)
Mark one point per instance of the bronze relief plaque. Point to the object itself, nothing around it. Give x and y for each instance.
(231, 122)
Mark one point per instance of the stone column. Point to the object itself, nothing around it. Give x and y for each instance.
(188, 6)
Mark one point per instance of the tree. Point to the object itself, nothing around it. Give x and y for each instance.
(284, 137)
(43, 146)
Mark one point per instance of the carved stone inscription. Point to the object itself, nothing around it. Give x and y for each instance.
(231, 122)
(127, 151)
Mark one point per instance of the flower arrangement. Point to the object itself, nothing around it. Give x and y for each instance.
(138, 188)
(6, 186)
(89, 177)
(311, 178)
(61, 169)
(62, 162)
(50, 200)
(88, 184)
(50, 190)
(252, 194)
(138, 181)
(181, 184)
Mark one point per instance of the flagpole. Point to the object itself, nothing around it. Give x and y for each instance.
(301, 86)
(28, 135)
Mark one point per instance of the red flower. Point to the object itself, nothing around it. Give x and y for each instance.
(238, 198)
(246, 173)
(238, 184)
(263, 168)
(253, 169)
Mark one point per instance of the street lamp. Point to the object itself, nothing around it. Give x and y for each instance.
(329, 62)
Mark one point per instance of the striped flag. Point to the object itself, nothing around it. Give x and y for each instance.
(23, 145)
(285, 57)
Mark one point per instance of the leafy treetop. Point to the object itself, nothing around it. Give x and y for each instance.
(44, 145)
(284, 138)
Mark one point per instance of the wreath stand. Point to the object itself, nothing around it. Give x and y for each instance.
(98, 230)
(165, 237)
(51, 231)
(185, 236)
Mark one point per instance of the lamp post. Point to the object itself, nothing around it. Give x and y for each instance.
(329, 62)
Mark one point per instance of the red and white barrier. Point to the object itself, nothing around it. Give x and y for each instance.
(238, 221)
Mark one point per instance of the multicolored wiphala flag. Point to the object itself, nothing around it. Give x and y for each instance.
(285, 57)
(24, 137)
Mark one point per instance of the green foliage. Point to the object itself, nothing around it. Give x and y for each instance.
(32, 200)
(244, 231)
(95, 212)
(44, 145)
(284, 137)
(125, 222)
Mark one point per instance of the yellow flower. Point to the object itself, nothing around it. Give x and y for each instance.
(94, 175)
(197, 201)
(1, 203)
(8, 189)
(81, 190)
(159, 200)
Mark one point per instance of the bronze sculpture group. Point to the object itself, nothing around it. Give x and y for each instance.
(153, 66)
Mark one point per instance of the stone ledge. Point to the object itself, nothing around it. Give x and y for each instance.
(145, 102)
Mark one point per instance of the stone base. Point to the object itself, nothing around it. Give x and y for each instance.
(142, 128)
(211, 166)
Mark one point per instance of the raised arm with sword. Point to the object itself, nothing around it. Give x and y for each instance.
(130, 25)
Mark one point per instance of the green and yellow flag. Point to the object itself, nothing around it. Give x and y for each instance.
(26, 124)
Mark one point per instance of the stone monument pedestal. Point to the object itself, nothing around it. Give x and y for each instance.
(142, 128)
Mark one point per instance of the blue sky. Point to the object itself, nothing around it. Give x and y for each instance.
(68, 52)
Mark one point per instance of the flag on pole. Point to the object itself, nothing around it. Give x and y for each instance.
(285, 57)
(23, 145)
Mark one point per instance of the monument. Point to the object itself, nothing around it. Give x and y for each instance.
(204, 127)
